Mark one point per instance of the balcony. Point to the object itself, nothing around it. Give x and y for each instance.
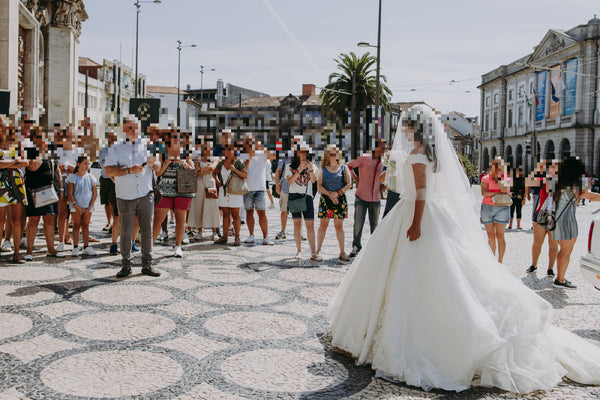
(109, 87)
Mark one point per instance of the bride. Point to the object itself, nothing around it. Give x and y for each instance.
(427, 303)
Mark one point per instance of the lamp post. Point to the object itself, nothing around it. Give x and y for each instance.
(377, 84)
(179, 47)
(202, 82)
(138, 5)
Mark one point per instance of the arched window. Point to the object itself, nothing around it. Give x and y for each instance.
(486, 159)
(550, 154)
(494, 152)
(565, 148)
(509, 155)
(519, 160)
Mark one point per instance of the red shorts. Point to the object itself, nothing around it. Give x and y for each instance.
(177, 203)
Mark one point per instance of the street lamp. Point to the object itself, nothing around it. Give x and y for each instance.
(202, 80)
(377, 85)
(179, 47)
(138, 5)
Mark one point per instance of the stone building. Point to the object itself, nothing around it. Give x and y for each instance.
(119, 87)
(275, 120)
(38, 57)
(546, 100)
(464, 132)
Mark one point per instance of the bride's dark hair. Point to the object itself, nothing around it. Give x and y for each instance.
(420, 128)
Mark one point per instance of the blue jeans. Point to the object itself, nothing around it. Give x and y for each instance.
(360, 212)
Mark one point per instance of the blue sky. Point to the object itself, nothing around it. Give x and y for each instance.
(274, 46)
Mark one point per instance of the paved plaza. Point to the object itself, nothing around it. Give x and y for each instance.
(220, 323)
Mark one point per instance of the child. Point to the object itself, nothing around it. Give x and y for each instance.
(82, 195)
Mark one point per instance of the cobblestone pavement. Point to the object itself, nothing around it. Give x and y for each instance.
(220, 323)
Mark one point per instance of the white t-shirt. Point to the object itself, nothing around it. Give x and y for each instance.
(299, 185)
(256, 172)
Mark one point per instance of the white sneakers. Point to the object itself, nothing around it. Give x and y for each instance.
(178, 252)
(268, 241)
(186, 239)
(250, 239)
(88, 251)
(28, 257)
(6, 246)
(60, 247)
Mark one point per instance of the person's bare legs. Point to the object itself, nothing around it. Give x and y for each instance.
(338, 224)
(250, 221)
(563, 258)
(237, 222)
(86, 218)
(552, 251)
(298, 233)
(109, 213)
(323, 225)
(179, 226)
(226, 222)
(499, 234)
(14, 220)
(77, 216)
(310, 234)
(62, 220)
(160, 215)
(116, 229)
(491, 234)
(48, 221)
(284, 218)
(31, 230)
(263, 222)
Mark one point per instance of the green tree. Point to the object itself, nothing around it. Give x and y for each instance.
(470, 169)
(337, 94)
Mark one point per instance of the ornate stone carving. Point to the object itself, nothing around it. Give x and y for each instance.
(69, 13)
(555, 44)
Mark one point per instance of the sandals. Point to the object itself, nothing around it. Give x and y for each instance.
(221, 240)
(237, 241)
(93, 240)
(316, 257)
(344, 257)
(18, 260)
(107, 228)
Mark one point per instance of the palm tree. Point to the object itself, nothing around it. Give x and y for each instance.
(337, 94)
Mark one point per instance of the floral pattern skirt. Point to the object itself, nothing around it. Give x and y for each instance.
(329, 210)
(12, 189)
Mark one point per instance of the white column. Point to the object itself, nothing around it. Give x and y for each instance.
(9, 39)
(60, 69)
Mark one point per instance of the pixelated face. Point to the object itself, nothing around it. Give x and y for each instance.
(302, 154)
(112, 137)
(131, 129)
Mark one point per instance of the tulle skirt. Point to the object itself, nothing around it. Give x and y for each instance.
(441, 312)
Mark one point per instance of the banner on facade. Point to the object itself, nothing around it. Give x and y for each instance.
(540, 109)
(146, 110)
(556, 92)
(570, 86)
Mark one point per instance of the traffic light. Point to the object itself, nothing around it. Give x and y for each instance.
(528, 147)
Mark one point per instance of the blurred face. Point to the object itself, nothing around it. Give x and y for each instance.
(302, 155)
(496, 168)
(174, 146)
(131, 129)
(112, 137)
(379, 150)
(228, 152)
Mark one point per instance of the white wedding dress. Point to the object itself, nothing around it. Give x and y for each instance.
(441, 312)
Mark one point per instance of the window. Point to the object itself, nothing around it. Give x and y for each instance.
(487, 122)
(510, 118)
(520, 116)
(510, 94)
(496, 98)
(487, 101)
(495, 121)
(521, 91)
(530, 114)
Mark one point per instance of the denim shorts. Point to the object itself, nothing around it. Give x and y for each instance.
(492, 214)
(255, 200)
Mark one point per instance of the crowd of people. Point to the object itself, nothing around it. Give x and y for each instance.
(555, 188)
(46, 176)
(142, 184)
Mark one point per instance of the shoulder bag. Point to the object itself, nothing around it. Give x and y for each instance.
(45, 195)
(235, 184)
(547, 216)
(502, 200)
(298, 204)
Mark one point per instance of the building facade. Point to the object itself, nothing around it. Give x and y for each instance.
(38, 57)
(546, 101)
(119, 87)
(464, 132)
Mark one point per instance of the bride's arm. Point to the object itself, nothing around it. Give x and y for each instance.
(419, 173)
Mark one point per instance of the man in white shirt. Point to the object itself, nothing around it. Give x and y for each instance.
(131, 164)
(255, 199)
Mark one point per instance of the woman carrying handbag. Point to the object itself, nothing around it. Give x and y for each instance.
(230, 175)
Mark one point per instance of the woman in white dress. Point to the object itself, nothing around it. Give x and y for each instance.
(204, 211)
(428, 304)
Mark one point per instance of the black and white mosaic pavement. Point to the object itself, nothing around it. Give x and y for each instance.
(220, 323)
